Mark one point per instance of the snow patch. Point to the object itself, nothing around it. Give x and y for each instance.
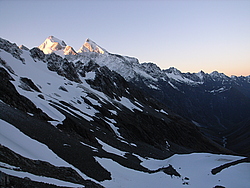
(93, 148)
(111, 123)
(127, 103)
(153, 87)
(163, 111)
(220, 90)
(173, 86)
(111, 149)
(113, 112)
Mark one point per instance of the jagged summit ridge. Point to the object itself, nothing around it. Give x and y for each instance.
(128, 67)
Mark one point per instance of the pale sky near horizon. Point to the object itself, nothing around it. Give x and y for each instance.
(191, 35)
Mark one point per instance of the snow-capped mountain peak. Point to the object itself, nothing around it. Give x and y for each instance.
(217, 75)
(91, 46)
(200, 75)
(68, 50)
(53, 44)
(173, 70)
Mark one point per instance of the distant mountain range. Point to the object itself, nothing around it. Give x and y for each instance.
(89, 117)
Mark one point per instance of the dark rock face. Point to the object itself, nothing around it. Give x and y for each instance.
(62, 67)
(57, 64)
(36, 53)
(29, 84)
(82, 68)
(109, 82)
(11, 48)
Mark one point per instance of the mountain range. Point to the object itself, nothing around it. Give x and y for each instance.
(90, 118)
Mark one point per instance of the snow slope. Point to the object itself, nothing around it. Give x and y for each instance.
(20, 143)
(14, 139)
(195, 169)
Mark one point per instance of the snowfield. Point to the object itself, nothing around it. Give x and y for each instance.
(195, 169)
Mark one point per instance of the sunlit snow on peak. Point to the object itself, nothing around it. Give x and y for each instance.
(91, 46)
(53, 44)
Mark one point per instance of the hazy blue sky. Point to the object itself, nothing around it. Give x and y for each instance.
(189, 35)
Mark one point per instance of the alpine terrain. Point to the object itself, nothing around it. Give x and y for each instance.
(90, 118)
